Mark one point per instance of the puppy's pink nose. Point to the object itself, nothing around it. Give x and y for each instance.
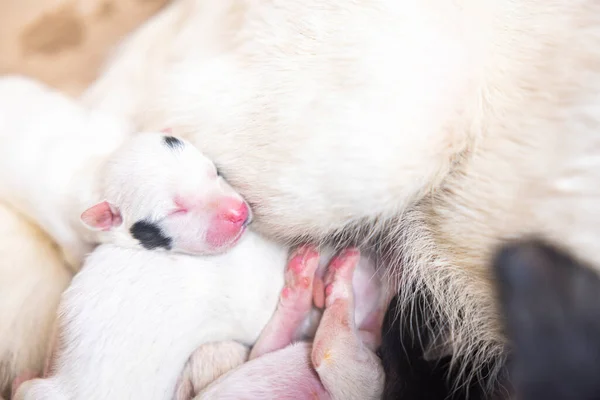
(234, 211)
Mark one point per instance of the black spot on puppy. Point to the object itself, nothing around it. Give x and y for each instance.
(173, 143)
(150, 235)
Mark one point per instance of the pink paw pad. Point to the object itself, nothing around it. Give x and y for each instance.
(286, 292)
(299, 276)
(300, 261)
(338, 279)
(300, 273)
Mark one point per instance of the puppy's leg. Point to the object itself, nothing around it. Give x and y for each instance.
(208, 363)
(294, 305)
(347, 366)
(284, 374)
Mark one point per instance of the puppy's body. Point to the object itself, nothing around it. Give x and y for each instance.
(131, 318)
(290, 376)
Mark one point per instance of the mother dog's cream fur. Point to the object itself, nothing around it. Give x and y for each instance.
(32, 278)
(445, 126)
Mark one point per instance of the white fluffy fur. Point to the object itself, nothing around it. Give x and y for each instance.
(449, 126)
(131, 318)
(305, 107)
(52, 149)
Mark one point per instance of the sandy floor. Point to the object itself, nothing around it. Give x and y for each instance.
(64, 42)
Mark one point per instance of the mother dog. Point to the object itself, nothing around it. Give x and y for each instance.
(433, 130)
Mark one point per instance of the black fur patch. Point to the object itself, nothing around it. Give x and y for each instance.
(150, 235)
(408, 375)
(172, 142)
(551, 305)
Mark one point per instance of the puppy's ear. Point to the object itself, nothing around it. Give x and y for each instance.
(551, 307)
(102, 216)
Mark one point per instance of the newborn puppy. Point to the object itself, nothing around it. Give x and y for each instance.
(55, 156)
(133, 315)
(551, 305)
(341, 362)
(155, 192)
(163, 194)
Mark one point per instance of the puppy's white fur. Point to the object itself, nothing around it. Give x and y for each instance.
(128, 305)
(131, 318)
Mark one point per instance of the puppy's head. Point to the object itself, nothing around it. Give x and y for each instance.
(551, 306)
(163, 193)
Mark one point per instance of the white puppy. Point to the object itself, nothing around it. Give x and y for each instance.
(142, 306)
(55, 154)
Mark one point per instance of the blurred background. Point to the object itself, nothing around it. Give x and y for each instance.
(64, 42)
